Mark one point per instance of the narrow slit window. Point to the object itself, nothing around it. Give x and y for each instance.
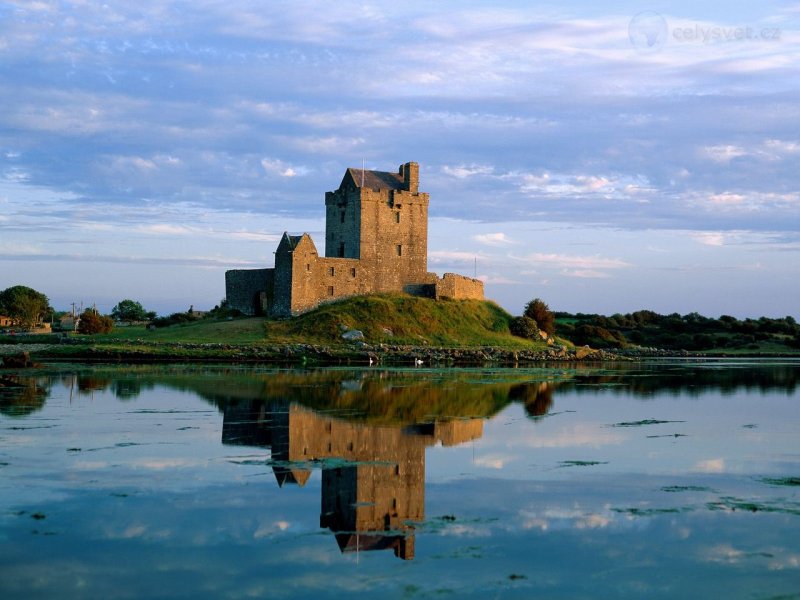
(397, 217)
(308, 266)
(331, 271)
(352, 271)
(399, 249)
(342, 217)
(330, 290)
(341, 250)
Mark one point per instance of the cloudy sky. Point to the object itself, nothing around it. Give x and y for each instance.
(606, 157)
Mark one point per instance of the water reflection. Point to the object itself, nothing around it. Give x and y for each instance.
(403, 396)
(373, 476)
(21, 396)
(625, 470)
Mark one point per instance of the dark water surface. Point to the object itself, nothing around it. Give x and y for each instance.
(658, 480)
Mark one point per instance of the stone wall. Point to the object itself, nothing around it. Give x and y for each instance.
(394, 237)
(249, 290)
(376, 240)
(316, 280)
(343, 223)
(458, 287)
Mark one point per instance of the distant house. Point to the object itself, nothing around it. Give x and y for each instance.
(5, 321)
(69, 323)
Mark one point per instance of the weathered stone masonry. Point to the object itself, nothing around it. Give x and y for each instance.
(376, 240)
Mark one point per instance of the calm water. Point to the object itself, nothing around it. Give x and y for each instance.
(664, 480)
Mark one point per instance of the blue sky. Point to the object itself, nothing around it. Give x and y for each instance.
(606, 158)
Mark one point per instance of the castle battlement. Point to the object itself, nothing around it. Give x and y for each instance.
(376, 240)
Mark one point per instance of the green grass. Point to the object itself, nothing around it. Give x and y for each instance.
(237, 331)
(400, 319)
(383, 318)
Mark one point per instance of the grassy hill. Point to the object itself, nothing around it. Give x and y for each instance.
(383, 318)
(400, 319)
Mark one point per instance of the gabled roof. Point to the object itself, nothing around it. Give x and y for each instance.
(289, 243)
(285, 475)
(293, 240)
(381, 180)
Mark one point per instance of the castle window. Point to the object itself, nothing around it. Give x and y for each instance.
(397, 217)
(342, 217)
(331, 271)
(399, 249)
(352, 271)
(308, 266)
(341, 250)
(330, 290)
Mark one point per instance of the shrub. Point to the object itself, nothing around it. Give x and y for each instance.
(92, 323)
(524, 327)
(537, 310)
(598, 337)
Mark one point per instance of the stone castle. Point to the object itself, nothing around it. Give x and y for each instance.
(374, 490)
(376, 240)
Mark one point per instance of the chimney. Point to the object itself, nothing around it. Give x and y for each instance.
(410, 174)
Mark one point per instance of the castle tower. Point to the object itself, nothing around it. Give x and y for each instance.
(376, 240)
(382, 218)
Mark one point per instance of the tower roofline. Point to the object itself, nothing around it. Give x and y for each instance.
(406, 178)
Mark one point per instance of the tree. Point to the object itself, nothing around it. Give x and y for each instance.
(130, 310)
(524, 327)
(25, 306)
(92, 323)
(537, 310)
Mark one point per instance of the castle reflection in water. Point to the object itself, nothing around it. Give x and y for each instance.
(373, 477)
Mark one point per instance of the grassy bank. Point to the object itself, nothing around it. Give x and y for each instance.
(396, 324)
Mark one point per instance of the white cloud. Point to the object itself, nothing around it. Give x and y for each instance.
(783, 559)
(772, 149)
(253, 236)
(724, 553)
(723, 153)
(438, 257)
(710, 238)
(573, 262)
(711, 465)
(592, 521)
(465, 171)
(560, 518)
(493, 461)
(566, 185)
(497, 280)
(577, 436)
(492, 239)
(278, 167)
(333, 145)
(167, 229)
(271, 528)
(727, 199)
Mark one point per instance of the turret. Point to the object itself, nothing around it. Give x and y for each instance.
(410, 175)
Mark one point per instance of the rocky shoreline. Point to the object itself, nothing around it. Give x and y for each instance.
(303, 354)
(299, 354)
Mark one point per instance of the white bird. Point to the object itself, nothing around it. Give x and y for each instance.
(418, 361)
(370, 361)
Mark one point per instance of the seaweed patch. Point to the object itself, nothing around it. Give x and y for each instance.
(643, 422)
